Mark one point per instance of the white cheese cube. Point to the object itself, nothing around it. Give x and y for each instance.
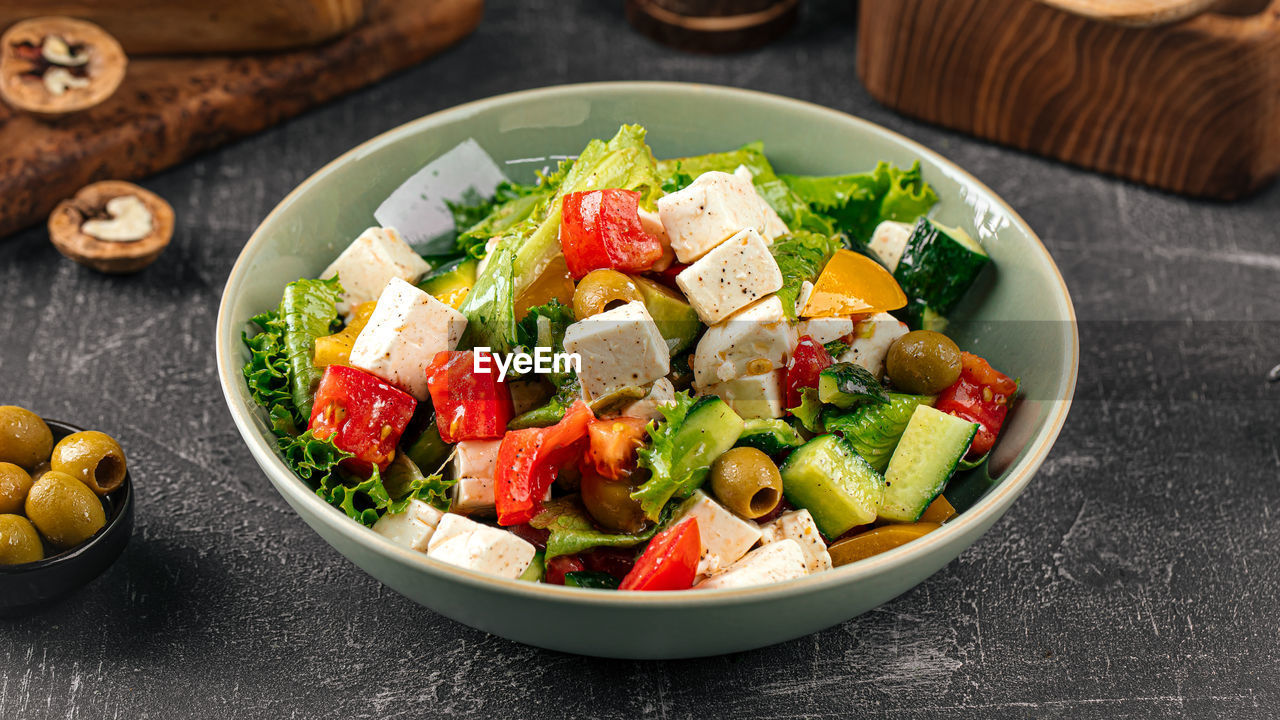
(710, 210)
(463, 542)
(888, 241)
(369, 262)
(798, 525)
(725, 536)
(773, 227)
(871, 341)
(730, 277)
(412, 528)
(824, 330)
(775, 562)
(754, 396)
(471, 495)
(661, 393)
(618, 348)
(756, 339)
(475, 458)
(405, 331)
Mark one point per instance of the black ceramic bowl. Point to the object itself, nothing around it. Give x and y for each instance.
(31, 586)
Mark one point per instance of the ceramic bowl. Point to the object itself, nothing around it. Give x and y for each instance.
(31, 586)
(1021, 318)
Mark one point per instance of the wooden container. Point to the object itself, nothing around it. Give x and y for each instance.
(713, 26)
(185, 26)
(1192, 107)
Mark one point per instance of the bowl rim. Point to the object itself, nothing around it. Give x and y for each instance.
(118, 511)
(295, 491)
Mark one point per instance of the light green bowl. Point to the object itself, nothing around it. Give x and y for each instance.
(1022, 321)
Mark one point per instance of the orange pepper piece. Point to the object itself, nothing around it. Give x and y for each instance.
(939, 511)
(876, 541)
(335, 349)
(853, 284)
(555, 283)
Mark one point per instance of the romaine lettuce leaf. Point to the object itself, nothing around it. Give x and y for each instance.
(526, 249)
(800, 257)
(857, 203)
(809, 411)
(573, 531)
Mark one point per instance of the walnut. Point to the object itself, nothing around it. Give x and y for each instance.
(112, 226)
(53, 66)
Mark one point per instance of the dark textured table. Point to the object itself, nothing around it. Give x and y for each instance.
(1137, 577)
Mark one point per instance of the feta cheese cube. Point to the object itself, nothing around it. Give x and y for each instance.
(754, 396)
(404, 333)
(412, 528)
(756, 339)
(824, 330)
(369, 262)
(661, 393)
(888, 241)
(618, 348)
(871, 341)
(473, 467)
(798, 525)
(710, 210)
(775, 562)
(730, 277)
(802, 297)
(725, 536)
(773, 227)
(463, 542)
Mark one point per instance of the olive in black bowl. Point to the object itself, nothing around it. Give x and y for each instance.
(29, 586)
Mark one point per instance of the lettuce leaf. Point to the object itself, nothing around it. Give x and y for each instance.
(809, 411)
(362, 499)
(280, 373)
(545, 326)
(573, 531)
(857, 203)
(404, 481)
(489, 217)
(800, 257)
(659, 458)
(526, 248)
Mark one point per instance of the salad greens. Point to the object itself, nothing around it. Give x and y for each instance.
(800, 257)
(856, 203)
(572, 529)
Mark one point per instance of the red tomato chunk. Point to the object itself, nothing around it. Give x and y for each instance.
(670, 562)
(528, 461)
(363, 414)
(468, 405)
(806, 363)
(601, 229)
(981, 395)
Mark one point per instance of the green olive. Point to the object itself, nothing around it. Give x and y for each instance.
(91, 457)
(24, 438)
(600, 289)
(610, 503)
(14, 485)
(747, 482)
(64, 510)
(923, 362)
(19, 542)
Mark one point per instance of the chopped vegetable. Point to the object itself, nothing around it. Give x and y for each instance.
(847, 385)
(801, 256)
(571, 529)
(937, 266)
(853, 284)
(528, 461)
(670, 562)
(873, 430)
(981, 395)
(612, 446)
(694, 434)
(876, 541)
(827, 478)
(926, 456)
(601, 229)
(469, 405)
(855, 204)
(808, 361)
(363, 414)
(336, 349)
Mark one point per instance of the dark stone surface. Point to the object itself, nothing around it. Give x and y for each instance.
(1137, 577)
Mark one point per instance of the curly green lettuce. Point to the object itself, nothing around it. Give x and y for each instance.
(855, 204)
(800, 257)
(659, 458)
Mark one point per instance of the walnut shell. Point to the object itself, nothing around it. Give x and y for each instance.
(67, 222)
(23, 70)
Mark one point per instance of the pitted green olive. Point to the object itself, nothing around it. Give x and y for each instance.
(64, 510)
(747, 482)
(601, 288)
(91, 457)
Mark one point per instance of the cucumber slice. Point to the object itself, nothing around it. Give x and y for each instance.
(937, 266)
(537, 569)
(846, 384)
(709, 431)
(772, 437)
(827, 478)
(931, 447)
(873, 430)
(450, 278)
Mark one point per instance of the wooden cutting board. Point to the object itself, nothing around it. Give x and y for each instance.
(170, 108)
(1191, 107)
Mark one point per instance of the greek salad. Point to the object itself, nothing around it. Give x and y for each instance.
(637, 374)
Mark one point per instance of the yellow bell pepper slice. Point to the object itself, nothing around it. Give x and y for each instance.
(336, 349)
(453, 298)
(853, 284)
(876, 541)
(555, 283)
(939, 511)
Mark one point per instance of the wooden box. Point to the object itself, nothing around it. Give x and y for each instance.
(1193, 107)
